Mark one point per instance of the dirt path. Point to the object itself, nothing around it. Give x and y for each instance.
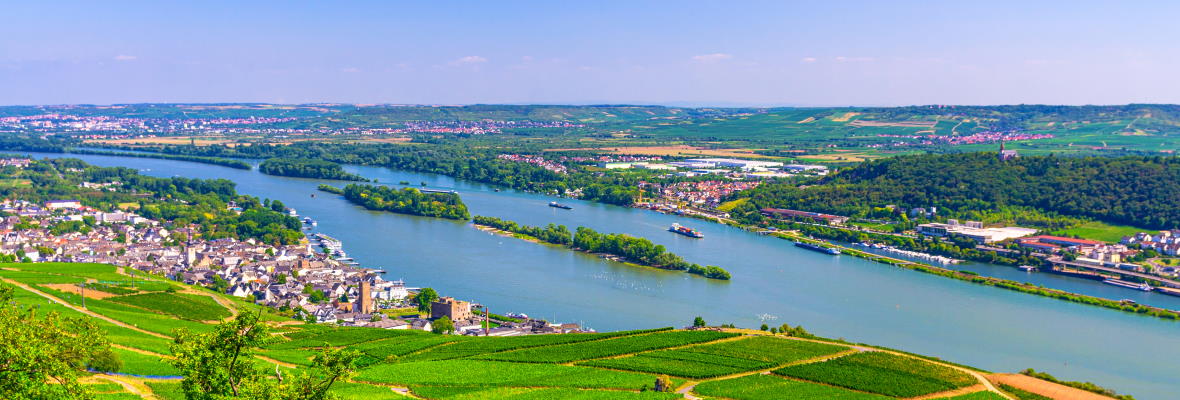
(137, 389)
(1046, 388)
(140, 351)
(276, 362)
(984, 383)
(687, 387)
(728, 339)
(952, 393)
(83, 310)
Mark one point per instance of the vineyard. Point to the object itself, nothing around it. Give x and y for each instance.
(719, 363)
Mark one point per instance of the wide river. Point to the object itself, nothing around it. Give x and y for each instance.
(834, 296)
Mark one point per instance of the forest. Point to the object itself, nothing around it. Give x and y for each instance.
(1133, 190)
(633, 249)
(306, 168)
(407, 201)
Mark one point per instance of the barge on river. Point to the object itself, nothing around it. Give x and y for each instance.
(816, 247)
(686, 231)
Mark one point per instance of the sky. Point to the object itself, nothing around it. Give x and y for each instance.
(698, 53)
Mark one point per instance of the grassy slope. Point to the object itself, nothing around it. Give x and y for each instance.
(429, 363)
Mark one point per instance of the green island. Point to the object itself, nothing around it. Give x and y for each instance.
(306, 168)
(323, 187)
(405, 201)
(175, 341)
(629, 249)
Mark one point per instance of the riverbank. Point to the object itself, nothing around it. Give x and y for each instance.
(1134, 308)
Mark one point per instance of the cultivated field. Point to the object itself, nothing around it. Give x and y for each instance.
(139, 318)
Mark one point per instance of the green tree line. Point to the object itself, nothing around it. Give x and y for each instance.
(306, 168)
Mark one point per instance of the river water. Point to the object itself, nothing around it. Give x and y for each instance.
(773, 281)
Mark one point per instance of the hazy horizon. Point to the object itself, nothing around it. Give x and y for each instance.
(847, 53)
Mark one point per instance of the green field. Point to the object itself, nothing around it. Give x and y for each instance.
(187, 306)
(614, 365)
(725, 358)
(766, 387)
(883, 373)
(1102, 231)
(607, 348)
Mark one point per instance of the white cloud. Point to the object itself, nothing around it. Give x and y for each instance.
(854, 59)
(469, 60)
(124, 57)
(808, 59)
(711, 58)
(350, 70)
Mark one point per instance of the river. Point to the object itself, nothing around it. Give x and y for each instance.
(834, 296)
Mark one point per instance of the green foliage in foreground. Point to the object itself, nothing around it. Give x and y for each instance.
(407, 201)
(187, 306)
(493, 373)
(221, 365)
(765, 387)
(719, 359)
(607, 348)
(884, 373)
(38, 349)
(520, 393)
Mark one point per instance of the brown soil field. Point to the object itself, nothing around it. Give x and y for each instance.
(1045, 388)
(808, 120)
(844, 118)
(677, 150)
(72, 288)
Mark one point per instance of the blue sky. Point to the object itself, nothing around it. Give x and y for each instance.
(651, 52)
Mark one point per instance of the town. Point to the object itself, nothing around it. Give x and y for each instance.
(296, 280)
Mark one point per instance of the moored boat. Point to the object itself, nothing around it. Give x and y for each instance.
(555, 204)
(1130, 285)
(816, 247)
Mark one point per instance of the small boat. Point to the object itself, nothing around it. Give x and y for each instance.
(1027, 268)
(1130, 285)
(816, 247)
(686, 231)
(291, 212)
(555, 204)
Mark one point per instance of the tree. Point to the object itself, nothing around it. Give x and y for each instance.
(41, 355)
(220, 365)
(424, 298)
(764, 327)
(698, 322)
(443, 325)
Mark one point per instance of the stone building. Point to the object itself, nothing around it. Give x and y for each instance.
(447, 306)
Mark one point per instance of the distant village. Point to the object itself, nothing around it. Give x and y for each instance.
(296, 279)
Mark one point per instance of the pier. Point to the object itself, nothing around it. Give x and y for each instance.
(1057, 261)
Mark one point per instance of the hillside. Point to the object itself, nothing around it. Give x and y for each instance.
(1126, 190)
(139, 314)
